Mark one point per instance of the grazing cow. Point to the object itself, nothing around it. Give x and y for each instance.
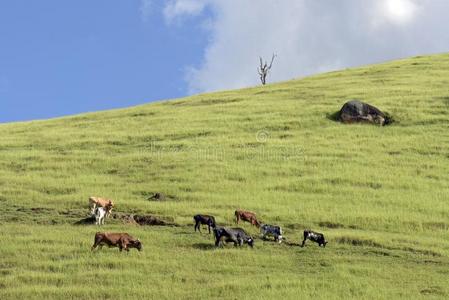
(236, 235)
(204, 219)
(100, 213)
(246, 216)
(314, 237)
(102, 202)
(270, 230)
(120, 240)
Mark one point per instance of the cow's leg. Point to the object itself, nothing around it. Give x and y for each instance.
(96, 243)
(217, 238)
(303, 243)
(94, 246)
(208, 227)
(196, 224)
(94, 205)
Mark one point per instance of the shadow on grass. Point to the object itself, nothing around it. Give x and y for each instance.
(204, 246)
(335, 116)
(291, 244)
(86, 221)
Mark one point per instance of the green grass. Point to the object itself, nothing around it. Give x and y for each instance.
(379, 194)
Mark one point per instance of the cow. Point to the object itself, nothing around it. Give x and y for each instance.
(238, 236)
(270, 230)
(120, 240)
(204, 219)
(102, 202)
(100, 213)
(246, 216)
(314, 237)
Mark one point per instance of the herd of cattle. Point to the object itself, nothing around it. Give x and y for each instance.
(101, 208)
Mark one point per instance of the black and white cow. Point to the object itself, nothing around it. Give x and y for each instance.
(238, 236)
(100, 213)
(204, 219)
(314, 237)
(271, 230)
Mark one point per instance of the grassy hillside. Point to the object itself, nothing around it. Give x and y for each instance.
(379, 194)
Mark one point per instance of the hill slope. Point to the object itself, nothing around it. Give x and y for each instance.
(379, 194)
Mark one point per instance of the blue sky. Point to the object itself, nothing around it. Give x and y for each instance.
(66, 57)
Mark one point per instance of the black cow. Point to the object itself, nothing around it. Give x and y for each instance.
(204, 219)
(271, 230)
(314, 237)
(236, 235)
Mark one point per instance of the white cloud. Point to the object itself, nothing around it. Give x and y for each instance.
(179, 8)
(308, 36)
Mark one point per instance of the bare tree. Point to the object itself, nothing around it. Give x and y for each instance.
(264, 69)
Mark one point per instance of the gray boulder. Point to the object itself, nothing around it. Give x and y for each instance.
(355, 111)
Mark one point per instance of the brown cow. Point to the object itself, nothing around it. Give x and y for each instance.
(246, 216)
(120, 240)
(102, 202)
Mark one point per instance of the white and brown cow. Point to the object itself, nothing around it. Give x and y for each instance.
(95, 202)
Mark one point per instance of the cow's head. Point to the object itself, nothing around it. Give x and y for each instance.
(211, 223)
(108, 209)
(280, 239)
(250, 242)
(137, 244)
(111, 204)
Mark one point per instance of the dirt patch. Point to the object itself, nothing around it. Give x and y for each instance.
(378, 253)
(204, 246)
(149, 220)
(34, 209)
(331, 225)
(152, 221)
(436, 225)
(358, 242)
(295, 226)
(157, 197)
(291, 244)
(433, 290)
(421, 252)
(369, 243)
